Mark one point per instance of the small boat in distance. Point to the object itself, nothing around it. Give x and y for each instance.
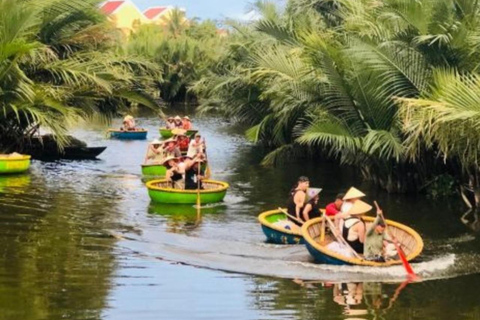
(161, 191)
(275, 232)
(139, 134)
(409, 240)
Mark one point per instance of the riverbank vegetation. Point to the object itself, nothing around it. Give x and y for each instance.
(58, 65)
(390, 87)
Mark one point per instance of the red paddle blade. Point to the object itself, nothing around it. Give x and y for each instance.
(407, 265)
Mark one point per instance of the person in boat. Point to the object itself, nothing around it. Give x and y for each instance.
(196, 146)
(352, 227)
(187, 124)
(171, 149)
(378, 244)
(170, 123)
(178, 122)
(174, 174)
(128, 123)
(155, 153)
(335, 207)
(352, 195)
(312, 208)
(194, 174)
(296, 200)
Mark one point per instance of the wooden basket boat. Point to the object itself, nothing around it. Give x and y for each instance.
(409, 239)
(167, 133)
(10, 165)
(160, 191)
(157, 170)
(128, 135)
(278, 234)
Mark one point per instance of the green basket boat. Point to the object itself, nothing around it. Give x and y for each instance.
(160, 191)
(10, 165)
(167, 133)
(156, 170)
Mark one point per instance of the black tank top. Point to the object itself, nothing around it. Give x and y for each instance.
(291, 207)
(190, 183)
(356, 244)
(315, 212)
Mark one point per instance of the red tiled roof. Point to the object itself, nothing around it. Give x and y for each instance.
(153, 12)
(110, 6)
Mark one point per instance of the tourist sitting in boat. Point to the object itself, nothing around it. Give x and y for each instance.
(170, 123)
(178, 122)
(312, 208)
(335, 207)
(194, 174)
(183, 142)
(196, 146)
(353, 228)
(352, 195)
(171, 149)
(155, 153)
(296, 201)
(128, 123)
(378, 244)
(174, 174)
(187, 124)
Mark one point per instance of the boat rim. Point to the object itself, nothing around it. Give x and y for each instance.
(126, 131)
(152, 165)
(22, 158)
(223, 187)
(363, 262)
(262, 218)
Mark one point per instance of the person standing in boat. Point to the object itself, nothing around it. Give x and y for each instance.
(335, 207)
(187, 124)
(297, 198)
(312, 208)
(353, 228)
(196, 146)
(154, 153)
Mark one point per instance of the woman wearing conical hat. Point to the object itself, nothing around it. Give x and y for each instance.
(353, 227)
(352, 195)
(312, 209)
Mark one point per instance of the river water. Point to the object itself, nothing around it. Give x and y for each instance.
(81, 240)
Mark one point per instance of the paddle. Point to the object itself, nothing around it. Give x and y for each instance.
(411, 274)
(199, 204)
(292, 217)
(322, 234)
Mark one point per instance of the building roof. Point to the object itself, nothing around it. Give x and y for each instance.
(153, 12)
(110, 7)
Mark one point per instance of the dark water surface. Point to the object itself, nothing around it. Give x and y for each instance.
(81, 240)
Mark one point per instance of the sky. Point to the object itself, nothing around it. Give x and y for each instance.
(204, 9)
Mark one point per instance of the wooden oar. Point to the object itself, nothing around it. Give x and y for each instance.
(322, 234)
(199, 203)
(411, 274)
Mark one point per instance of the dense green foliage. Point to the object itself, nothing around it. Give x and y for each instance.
(391, 86)
(57, 66)
(184, 50)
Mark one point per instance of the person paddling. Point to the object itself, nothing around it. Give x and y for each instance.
(296, 201)
(353, 227)
(312, 208)
(194, 174)
(378, 244)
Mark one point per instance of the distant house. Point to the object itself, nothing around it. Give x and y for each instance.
(124, 14)
(161, 15)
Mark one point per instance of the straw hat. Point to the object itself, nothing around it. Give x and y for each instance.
(168, 159)
(353, 193)
(186, 117)
(178, 132)
(178, 118)
(169, 140)
(128, 117)
(156, 141)
(198, 134)
(359, 208)
(313, 192)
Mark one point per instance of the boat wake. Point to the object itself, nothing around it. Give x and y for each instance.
(290, 262)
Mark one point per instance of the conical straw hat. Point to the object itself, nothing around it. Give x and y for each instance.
(178, 132)
(168, 159)
(312, 192)
(359, 208)
(353, 193)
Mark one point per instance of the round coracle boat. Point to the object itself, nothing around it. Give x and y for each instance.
(14, 163)
(157, 170)
(160, 191)
(409, 240)
(275, 231)
(139, 134)
(167, 133)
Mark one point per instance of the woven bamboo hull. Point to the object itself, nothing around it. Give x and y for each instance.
(128, 135)
(160, 192)
(167, 133)
(14, 165)
(276, 234)
(409, 239)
